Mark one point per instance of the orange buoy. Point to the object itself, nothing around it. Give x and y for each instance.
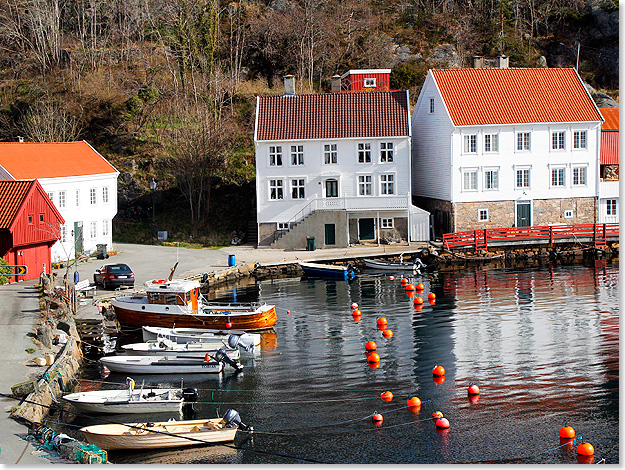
(387, 396)
(381, 322)
(410, 287)
(431, 301)
(391, 278)
(585, 449)
(413, 402)
(374, 365)
(371, 346)
(437, 414)
(418, 300)
(431, 296)
(228, 324)
(356, 313)
(288, 312)
(377, 417)
(387, 333)
(418, 307)
(354, 306)
(357, 318)
(373, 357)
(207, 357)
(567, 432)
(438, 379)
(404, 281)
(442, 423)
(473, 399)
(438, 370)
(474, 389)
(419, 286)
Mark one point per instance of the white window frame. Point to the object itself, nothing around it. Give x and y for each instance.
(580, 172)
(558, 171)
(387, 152)
(369, 82)
(432, 106)
(78, 198)
(365, 183)
(611, 206)
(480, 213)
(465, 172)
(275, 155)
(523, 141)
(51, 195)
(297, 187)
(469, 143)
(276, 184)
(580, 140)
(495, 171)
(558, 140)
(93, 196)
(330, 154)
(105, 228)
(105, 194)
(387, 184)
(63, 234)
(526, 170)
(491, 143)
(282, 226)
(62, 199)
(364, 152)
(325, 187)
(568, 214)
(93, 229)
(297, 155)
(387, 223)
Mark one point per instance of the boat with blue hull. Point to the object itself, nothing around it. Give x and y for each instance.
(328, 271)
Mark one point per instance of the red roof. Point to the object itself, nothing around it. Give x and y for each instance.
(611, 119)
(514, 96)
(333, 116)
(609, 148)
(32, 160)
(12, 195)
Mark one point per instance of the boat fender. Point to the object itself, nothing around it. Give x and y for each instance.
(232, 418)
(159, 281)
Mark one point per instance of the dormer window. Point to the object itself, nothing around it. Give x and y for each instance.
(369, 83)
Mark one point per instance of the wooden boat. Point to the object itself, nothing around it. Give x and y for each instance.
(178, 302)
(247, 341)
(161, 365)
(166, 347)
(328, 271)
(396, 266)
(128, 400)
(159, 435)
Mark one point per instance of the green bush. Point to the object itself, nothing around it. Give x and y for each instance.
(3, 271)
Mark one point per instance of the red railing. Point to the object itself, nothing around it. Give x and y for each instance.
(479, 239)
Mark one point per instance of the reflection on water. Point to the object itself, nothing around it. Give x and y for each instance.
(541, 344)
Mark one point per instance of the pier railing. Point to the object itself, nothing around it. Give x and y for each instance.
(597, 234)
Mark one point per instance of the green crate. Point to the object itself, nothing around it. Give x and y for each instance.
(90, 454)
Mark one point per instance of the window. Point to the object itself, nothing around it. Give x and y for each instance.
(283, 226)
(386, 223)
(469, 180)
(93, 229)
(275, 155)
(386, 152)
(40, 217)
(491, 179)
(332, 188)
(568, 214)
(62, 199)
(297, 154)
(77, 197)
(523, 178)
(364, 153)
(330, 154)
(491, 143)
(297, 189)
(580, 176)
(387, 184)
(105, 194)
(483, 215)
(579, 139)
(364, 185)
(276, 189)
(105, 228)
(557, 140)
(470, 143)
(51, 195)
(431, 105)
(610, 205)
(369, 82)
(63, 234)
(557, 177)
(92, 196)
(523, 141)
(30, 219)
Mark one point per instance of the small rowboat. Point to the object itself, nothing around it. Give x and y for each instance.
(161, 365)
(395, 266)
(247, 341)
(328, 271)
(165, 347)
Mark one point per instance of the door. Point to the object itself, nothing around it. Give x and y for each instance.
(609, 211)
(523, 214)
(366, 229)
(332, 188)
(330, 234)
(77, 239)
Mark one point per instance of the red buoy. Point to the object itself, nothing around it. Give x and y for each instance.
(387, 333)
(413, 402)
(418, 307)
(438, 379)
(381, 322)
(354, 306)
(431, 301)
(387, 396)
(404, 281)
(391, 278)
(207, 357)
(410, 287)
(442, 423)
(474, 389)
(567, 432)
(431, 296)
(357, 317)
(438, 370)
(585, 449)
(356, 313)
(373, 357)
(418, 300)
(374, 365)
(377, 417)
(419, 286)
(371, 346)
(288, 312)
(228, 324)
(437, 414)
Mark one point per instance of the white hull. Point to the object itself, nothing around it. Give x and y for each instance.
(160, 365)
(390, 266)
(117, 401)
(192, 350)
(186, 335)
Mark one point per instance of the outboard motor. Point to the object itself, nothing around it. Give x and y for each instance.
(242, 342)
(351, 270)
(232, 418)
(222, 356)
(189, 396)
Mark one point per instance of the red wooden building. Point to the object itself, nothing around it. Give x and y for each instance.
(366, 80)
(29, 226)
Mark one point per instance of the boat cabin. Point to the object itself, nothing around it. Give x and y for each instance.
(176, 292)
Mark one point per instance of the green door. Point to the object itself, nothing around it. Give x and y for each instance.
(523, 215)
(77, 239)
(330, 234)
(366, 229)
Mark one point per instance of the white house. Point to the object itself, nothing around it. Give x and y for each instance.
(503, 147)
(334, 166)
(80, 182)
(609, 169)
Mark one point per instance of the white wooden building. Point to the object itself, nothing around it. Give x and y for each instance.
(80, 182)
(609, 167)
(503, 147)
(334, 166)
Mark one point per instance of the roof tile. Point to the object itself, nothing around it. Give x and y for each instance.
(611, 119)
(12, 195)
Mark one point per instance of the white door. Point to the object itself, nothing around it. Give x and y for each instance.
(608, 211)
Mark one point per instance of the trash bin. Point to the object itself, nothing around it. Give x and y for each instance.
(101, 252)
(76, 277)
(231, 260)
(310, 243)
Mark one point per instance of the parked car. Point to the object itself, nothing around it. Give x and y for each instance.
(114, 275)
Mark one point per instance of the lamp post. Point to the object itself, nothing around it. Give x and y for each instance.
(153, 188)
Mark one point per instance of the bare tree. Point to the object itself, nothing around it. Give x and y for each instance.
(49, 122)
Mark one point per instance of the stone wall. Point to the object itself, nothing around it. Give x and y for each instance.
(551, 211)
(500, 214)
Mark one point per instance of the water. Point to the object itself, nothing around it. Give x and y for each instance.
(541, 343)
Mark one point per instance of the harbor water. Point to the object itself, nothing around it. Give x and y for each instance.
(541, 343)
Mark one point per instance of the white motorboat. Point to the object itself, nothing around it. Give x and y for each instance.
(166, 347)
(128, 400)
(167, 364)
(396, 266)
(233, 339)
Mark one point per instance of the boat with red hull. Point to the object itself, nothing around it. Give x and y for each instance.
(179, 303)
